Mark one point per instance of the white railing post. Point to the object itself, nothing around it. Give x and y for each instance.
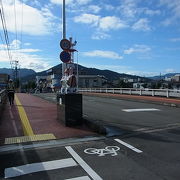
(140, 92)
(152, 92)
(130, 92)
(167, 93)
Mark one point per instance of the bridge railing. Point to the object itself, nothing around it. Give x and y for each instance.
(3, 98)
(134, 91)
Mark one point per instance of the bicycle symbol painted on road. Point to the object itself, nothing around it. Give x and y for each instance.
(102, 152)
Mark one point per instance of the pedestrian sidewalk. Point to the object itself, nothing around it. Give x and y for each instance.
(33, 116)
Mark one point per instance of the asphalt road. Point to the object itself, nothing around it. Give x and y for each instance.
(151, 157)
(130, 115)
(150, 149)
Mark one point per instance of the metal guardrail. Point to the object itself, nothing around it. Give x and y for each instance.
(132, 91)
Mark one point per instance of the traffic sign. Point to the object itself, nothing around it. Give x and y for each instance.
(65, 44)
(65, 56)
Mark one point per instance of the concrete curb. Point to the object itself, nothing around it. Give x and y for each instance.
(95, 126)
(107, 129)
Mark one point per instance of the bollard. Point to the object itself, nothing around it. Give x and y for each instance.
(69, 109)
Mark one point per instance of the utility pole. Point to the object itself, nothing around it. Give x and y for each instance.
(15, 68)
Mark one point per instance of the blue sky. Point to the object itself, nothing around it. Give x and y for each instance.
(140, 37)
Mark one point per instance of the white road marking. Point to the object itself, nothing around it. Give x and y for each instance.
(83, 164)
(140, 110)
(128, 145)
(37, 167)
(80, 178)
(102, 152)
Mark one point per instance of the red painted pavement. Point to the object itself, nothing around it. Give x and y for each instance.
(43, 118)
(10, 125)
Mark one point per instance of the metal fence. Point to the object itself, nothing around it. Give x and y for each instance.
(2, 96)
(133, 91)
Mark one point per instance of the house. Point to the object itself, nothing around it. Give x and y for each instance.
(176, 78)
(92, 81)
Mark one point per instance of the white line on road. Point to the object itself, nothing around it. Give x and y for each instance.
(83, 164)
(140, 110)
(37, 167)
(80, 178)
(128, 145)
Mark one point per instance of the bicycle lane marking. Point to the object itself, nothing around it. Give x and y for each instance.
(128, 145)
(83, 164)
(102, 152)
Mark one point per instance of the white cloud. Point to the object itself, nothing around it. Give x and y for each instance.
(128, 8)
(27, 44)
(141, 25)
(36, 3)
(83, 2)
(170, 70)
(103, 54)
(108, 7)
(94, 8)
(100, 35)
(87, 19)
(71, 2)
(137, 49)
(111, 23)
(174, 7)
(26, 57)
(102, 23)
(175, 39)
(152, 12)
(28, 50)
(61, 1)
(35, 22)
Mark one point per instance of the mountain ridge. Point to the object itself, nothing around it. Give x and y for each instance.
(57, 69)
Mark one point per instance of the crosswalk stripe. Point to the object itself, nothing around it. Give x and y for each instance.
(80, 178)
(37, 167)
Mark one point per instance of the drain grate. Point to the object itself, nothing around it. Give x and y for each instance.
(21, 139)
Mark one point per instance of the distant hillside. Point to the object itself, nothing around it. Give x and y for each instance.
(163, 76)
(23, 72)
(110, 75)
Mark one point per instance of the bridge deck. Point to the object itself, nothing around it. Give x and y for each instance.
(33, 116)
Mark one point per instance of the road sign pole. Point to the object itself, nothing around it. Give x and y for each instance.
(64, 30)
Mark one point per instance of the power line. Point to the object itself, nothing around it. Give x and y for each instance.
(5, 30)
(22, 19)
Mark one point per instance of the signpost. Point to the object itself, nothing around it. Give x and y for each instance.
(65, 56)
(69, 103)
(65, 44)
